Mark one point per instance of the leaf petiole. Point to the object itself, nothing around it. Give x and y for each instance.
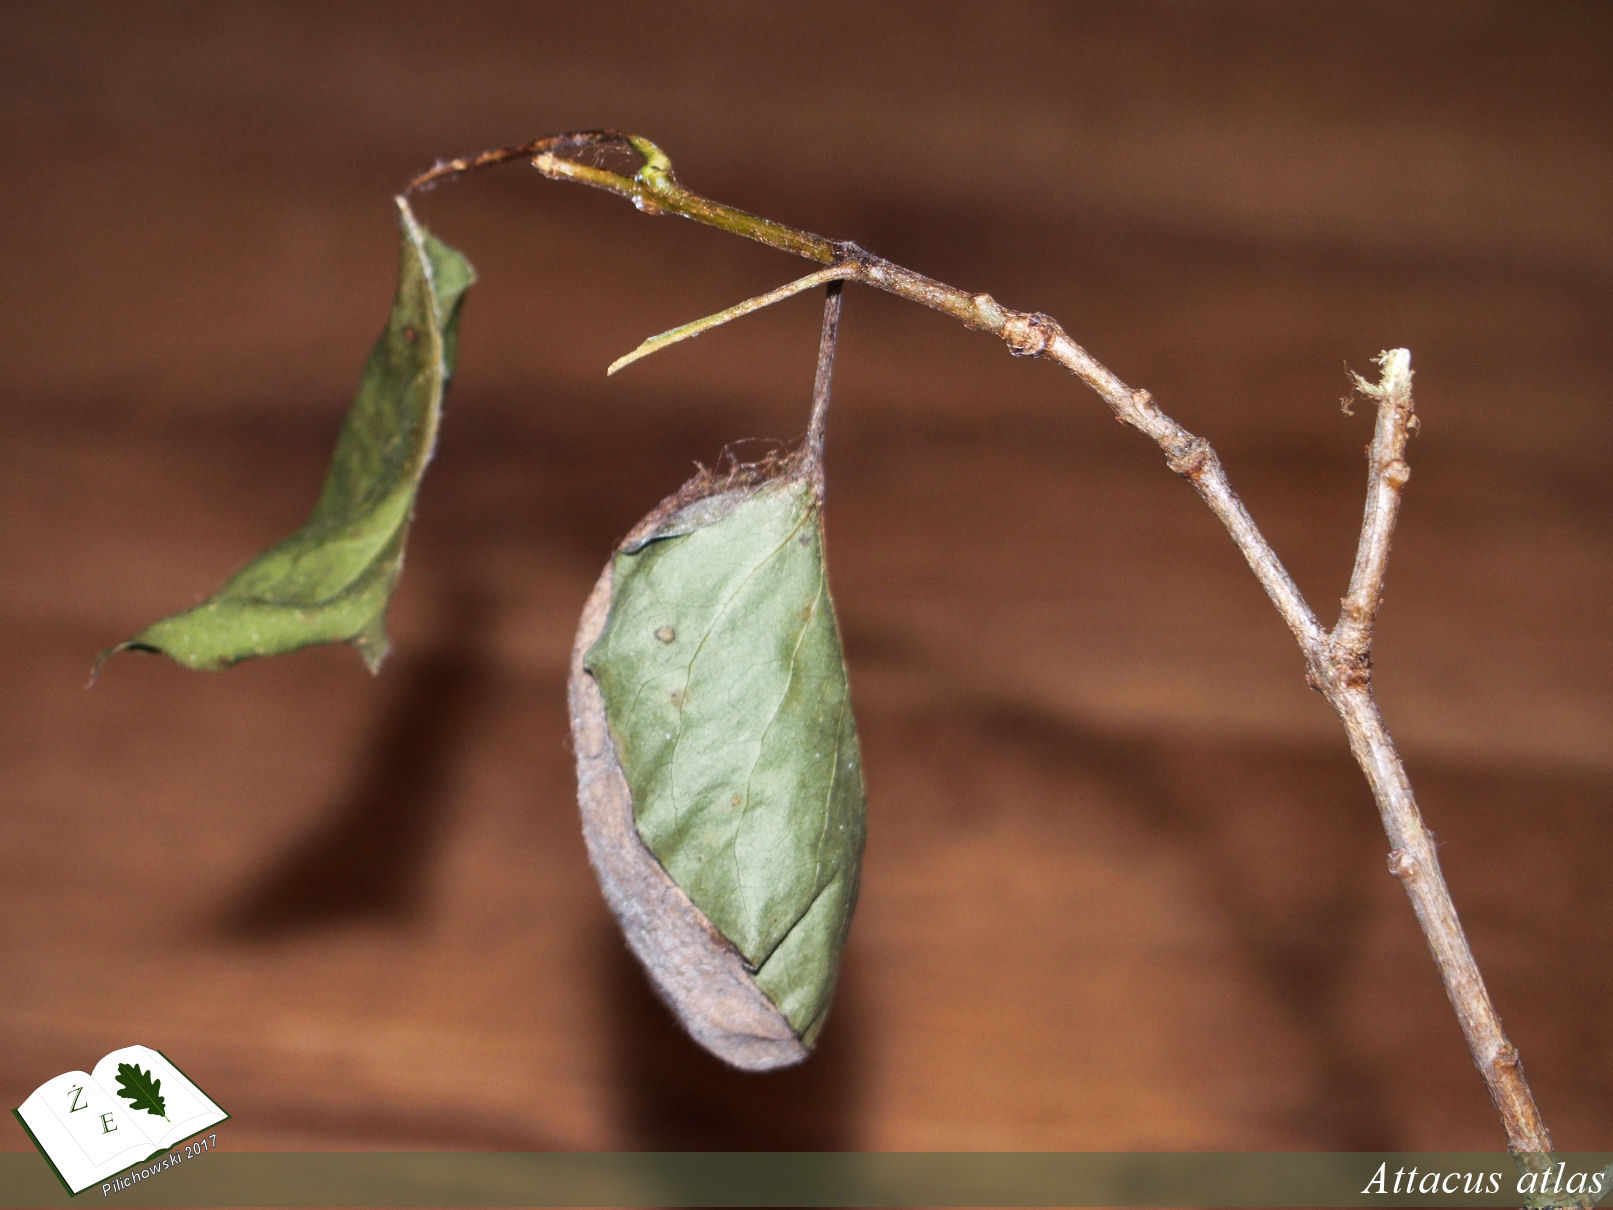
(672, 336)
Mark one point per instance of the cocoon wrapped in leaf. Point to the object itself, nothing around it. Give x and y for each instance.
(717, 761)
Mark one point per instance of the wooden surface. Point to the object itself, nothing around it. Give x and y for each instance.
(1124, 888)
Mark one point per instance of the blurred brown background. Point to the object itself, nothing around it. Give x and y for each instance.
(1124, 887)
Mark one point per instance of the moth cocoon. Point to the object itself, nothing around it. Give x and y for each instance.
(717, 763)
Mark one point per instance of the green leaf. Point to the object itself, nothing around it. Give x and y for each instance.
(141, 1090)
(720, 673)
(331, 580)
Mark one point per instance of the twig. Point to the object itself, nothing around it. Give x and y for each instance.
(1386, 480)
(1342, 669)
(820, 381)
(1338, 662)
(834, 273)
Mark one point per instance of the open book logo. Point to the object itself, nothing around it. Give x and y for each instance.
(131, 1109)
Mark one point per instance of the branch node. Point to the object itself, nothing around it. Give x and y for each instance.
(988, 313)
(1354, 668)
(1026, 335)
(1135, 408)
(1190, 459)
(1397, 472)
(1402, 865)
(655, 174)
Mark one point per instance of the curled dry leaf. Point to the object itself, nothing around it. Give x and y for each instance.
(331, 581)
(717, 761)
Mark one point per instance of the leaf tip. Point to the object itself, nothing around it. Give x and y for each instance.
(108, 652)
(105, 654)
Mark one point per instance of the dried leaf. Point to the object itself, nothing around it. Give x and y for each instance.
(332, 579)
(719, 774)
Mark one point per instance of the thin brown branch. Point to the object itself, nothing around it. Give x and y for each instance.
(1387, 473)
(448, 169)
(1343, 672)
(820, 380)
(1338, 662)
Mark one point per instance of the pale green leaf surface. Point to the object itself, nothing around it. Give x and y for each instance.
(725, 690)
(331, 581)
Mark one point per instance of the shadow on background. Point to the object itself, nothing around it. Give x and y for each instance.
(371, 859)
(1302, 943)
(677, 1097)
